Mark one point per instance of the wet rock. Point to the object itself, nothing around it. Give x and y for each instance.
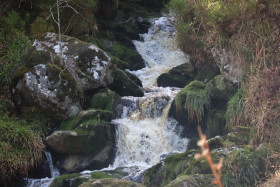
(105, 99)
(166, 171)
(53, 79)
(124, 86)
(84, 142)
(178, 76)
(134, 78)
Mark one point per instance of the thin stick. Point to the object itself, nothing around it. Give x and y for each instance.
(205, 153)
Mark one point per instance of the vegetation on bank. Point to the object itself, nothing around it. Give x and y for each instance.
(248, 33)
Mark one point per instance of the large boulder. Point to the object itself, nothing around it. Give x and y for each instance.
(220, 89)
(84, 142)
(53, 77)
(178, 76)
(124, 86)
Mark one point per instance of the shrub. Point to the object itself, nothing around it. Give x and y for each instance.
(234, 114)
(194, 99)
(21, 148)
(242, 168)
(12, 50)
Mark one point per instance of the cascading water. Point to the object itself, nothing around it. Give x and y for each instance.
(144, 131)
(45, 182)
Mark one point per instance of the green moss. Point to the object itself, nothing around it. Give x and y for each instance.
(88, 117)
(163, 173)
(215, 123)
(112, 183)
(128, 54)
(124, 86)
(234, 113)
(100, 175)
(242, 168)
(104, 100)
(220, 89)
(198, 180)
(68, 180)
(193, 99)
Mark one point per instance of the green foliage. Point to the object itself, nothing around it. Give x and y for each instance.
(39, 27)
(13, 21)
(13, 49)
(242, 168)
(194, 99)
(234, 111)
(215, 123)
(21, 147)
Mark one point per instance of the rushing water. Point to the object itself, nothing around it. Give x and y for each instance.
(45, 182)
(144, 132)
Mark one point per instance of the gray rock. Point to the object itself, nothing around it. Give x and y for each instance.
(232, 72)
(53, 80)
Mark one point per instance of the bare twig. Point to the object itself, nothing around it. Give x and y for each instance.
(205, 153)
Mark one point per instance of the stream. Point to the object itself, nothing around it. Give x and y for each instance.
(145, 134)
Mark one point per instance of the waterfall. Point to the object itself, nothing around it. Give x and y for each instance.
(45, 182)
(144, 131)
(53, 170)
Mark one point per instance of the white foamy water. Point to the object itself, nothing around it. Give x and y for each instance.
(145, 133)
(159, 50)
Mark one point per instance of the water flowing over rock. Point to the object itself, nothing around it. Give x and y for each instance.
(159, 51)
(54, 84)
(144, 131)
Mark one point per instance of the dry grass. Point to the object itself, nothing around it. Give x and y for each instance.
(262, 99)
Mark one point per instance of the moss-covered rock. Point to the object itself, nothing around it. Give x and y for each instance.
(53, 78)
(111, 183)
(76, 179)
(197, 180)
(215, 123)
(85, 117)
(68, 180)
(163, 173)
(124, 86)
(206, 73)
(189, 107)
(178, 76)
(220, 89)
(134, 78)
(105, 99)
(84, 142)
